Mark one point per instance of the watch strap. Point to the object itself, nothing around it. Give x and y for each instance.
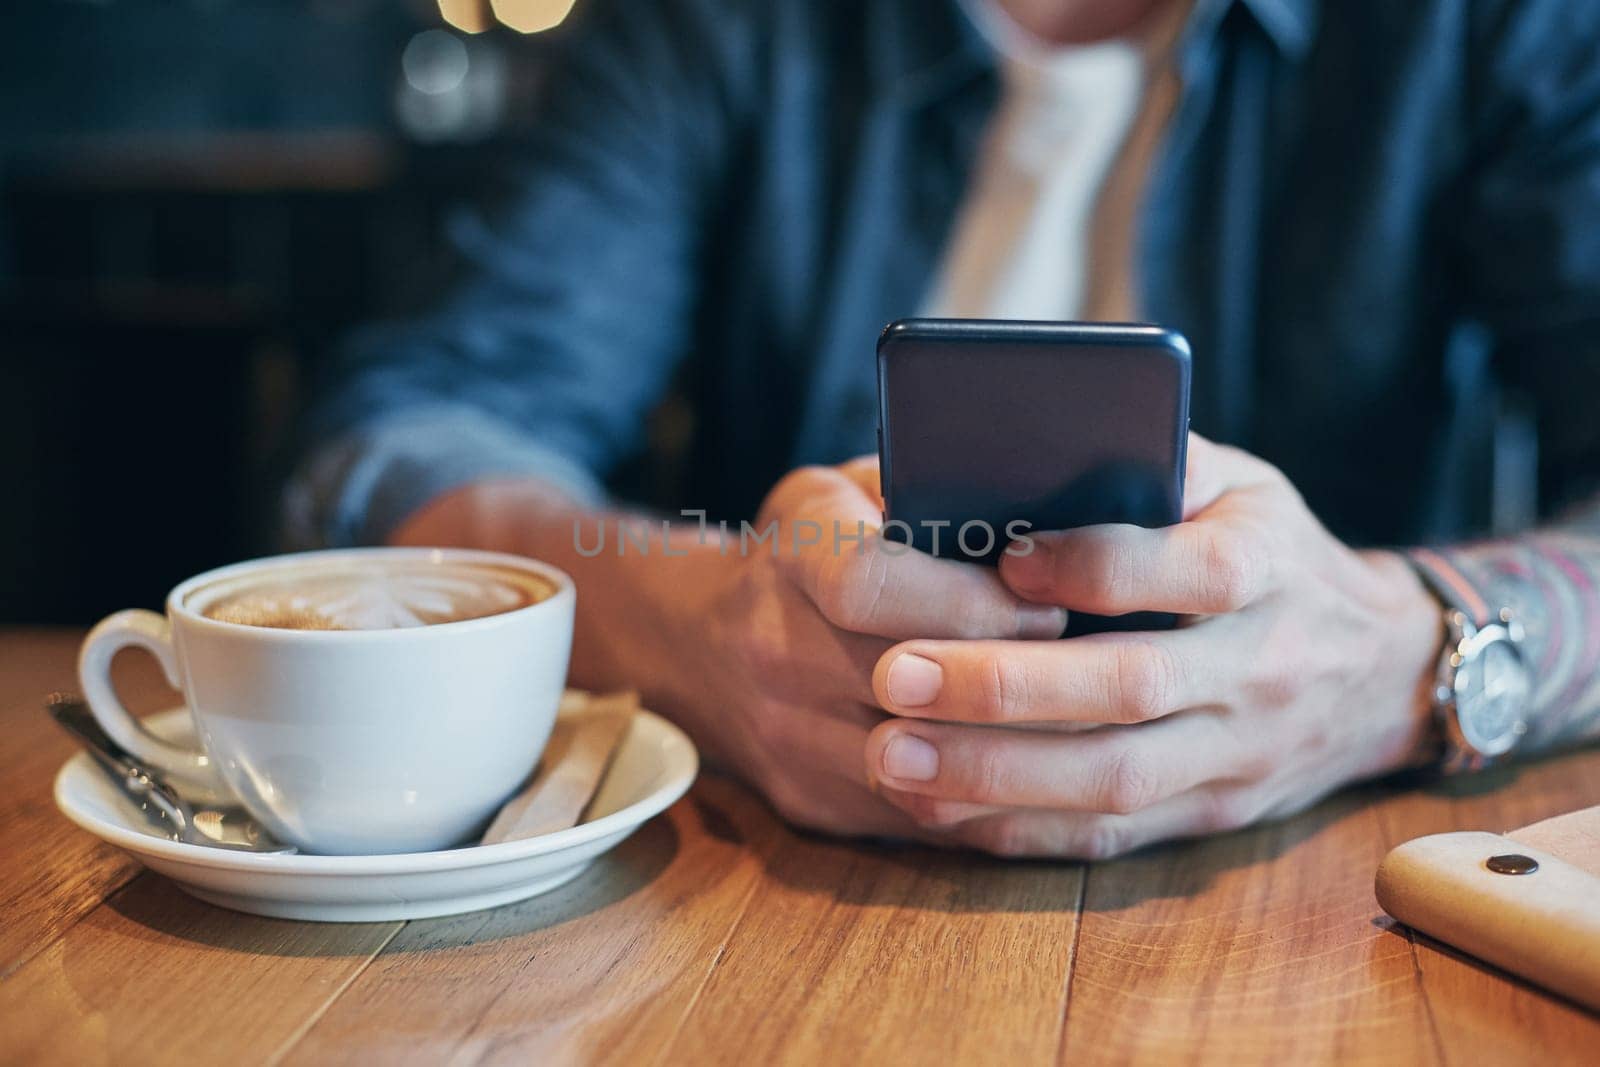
(1445, 580)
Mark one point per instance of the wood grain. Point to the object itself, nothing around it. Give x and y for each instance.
(156, 976)
(856, 954)
(602, 970)
(40, 900)
(1257, 947)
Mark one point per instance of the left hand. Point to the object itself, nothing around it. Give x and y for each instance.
(1300, 665)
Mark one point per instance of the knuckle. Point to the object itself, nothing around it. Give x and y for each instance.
(1145, 679)
(1129, 783)
(1277, 685)
(850, 589)
(985, 774)
(1233, 574)
(769, 725)
(1109, 572)
(1121, 576)
(1002, 690)
(763, 655)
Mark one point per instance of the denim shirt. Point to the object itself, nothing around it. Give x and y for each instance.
(1378, 223)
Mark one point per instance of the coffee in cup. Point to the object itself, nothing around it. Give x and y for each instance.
(369, 595)
(355, 701)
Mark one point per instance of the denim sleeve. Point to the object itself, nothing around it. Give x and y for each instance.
(1531, 228)
(576, 290)
(358, 488)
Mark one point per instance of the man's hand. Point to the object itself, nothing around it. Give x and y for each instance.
(783, 652)
(1300, 665)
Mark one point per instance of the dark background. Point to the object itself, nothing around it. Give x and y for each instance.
(196, 198)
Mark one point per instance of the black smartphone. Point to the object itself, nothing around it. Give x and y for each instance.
(988, 431)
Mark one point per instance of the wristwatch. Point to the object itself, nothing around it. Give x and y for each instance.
(1483, 686)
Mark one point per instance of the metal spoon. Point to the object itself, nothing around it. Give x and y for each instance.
(223, 827)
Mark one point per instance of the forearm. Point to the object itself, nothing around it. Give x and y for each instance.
(634, 595)
(1551, 579)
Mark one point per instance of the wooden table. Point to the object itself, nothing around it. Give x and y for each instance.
(716, 935)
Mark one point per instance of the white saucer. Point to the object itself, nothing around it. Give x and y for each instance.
(653, 768)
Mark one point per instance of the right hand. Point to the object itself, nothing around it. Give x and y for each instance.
(780, 661)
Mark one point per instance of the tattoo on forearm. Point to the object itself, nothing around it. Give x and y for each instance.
(1551, 579)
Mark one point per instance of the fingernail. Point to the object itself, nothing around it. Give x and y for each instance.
(1028, 573)
(1041, 620)
(914, 681)
(910, 759)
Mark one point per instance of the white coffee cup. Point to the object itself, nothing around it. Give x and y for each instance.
(351, 741)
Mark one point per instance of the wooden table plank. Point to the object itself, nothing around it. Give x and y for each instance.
(103, 963)
(1481, 1014)
(602, 969)
(154, 976)
(70, 872)
(1256, 947)
(856, 954)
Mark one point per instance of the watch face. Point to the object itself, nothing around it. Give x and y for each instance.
(1492, 690)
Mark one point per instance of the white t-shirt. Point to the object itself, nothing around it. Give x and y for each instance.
(1046, 230)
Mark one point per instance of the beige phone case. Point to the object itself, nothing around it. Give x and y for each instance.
(1544, 926)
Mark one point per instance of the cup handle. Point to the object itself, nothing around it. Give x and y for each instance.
(151, 632)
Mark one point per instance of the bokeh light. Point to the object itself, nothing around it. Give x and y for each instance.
(531, 16)
(434, 62)
(468, 16)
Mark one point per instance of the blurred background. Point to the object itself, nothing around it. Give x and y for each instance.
(196, 198)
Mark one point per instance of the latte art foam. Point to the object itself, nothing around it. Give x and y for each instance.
(388, 597)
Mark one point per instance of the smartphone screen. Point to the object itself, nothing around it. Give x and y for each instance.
(990, 430)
